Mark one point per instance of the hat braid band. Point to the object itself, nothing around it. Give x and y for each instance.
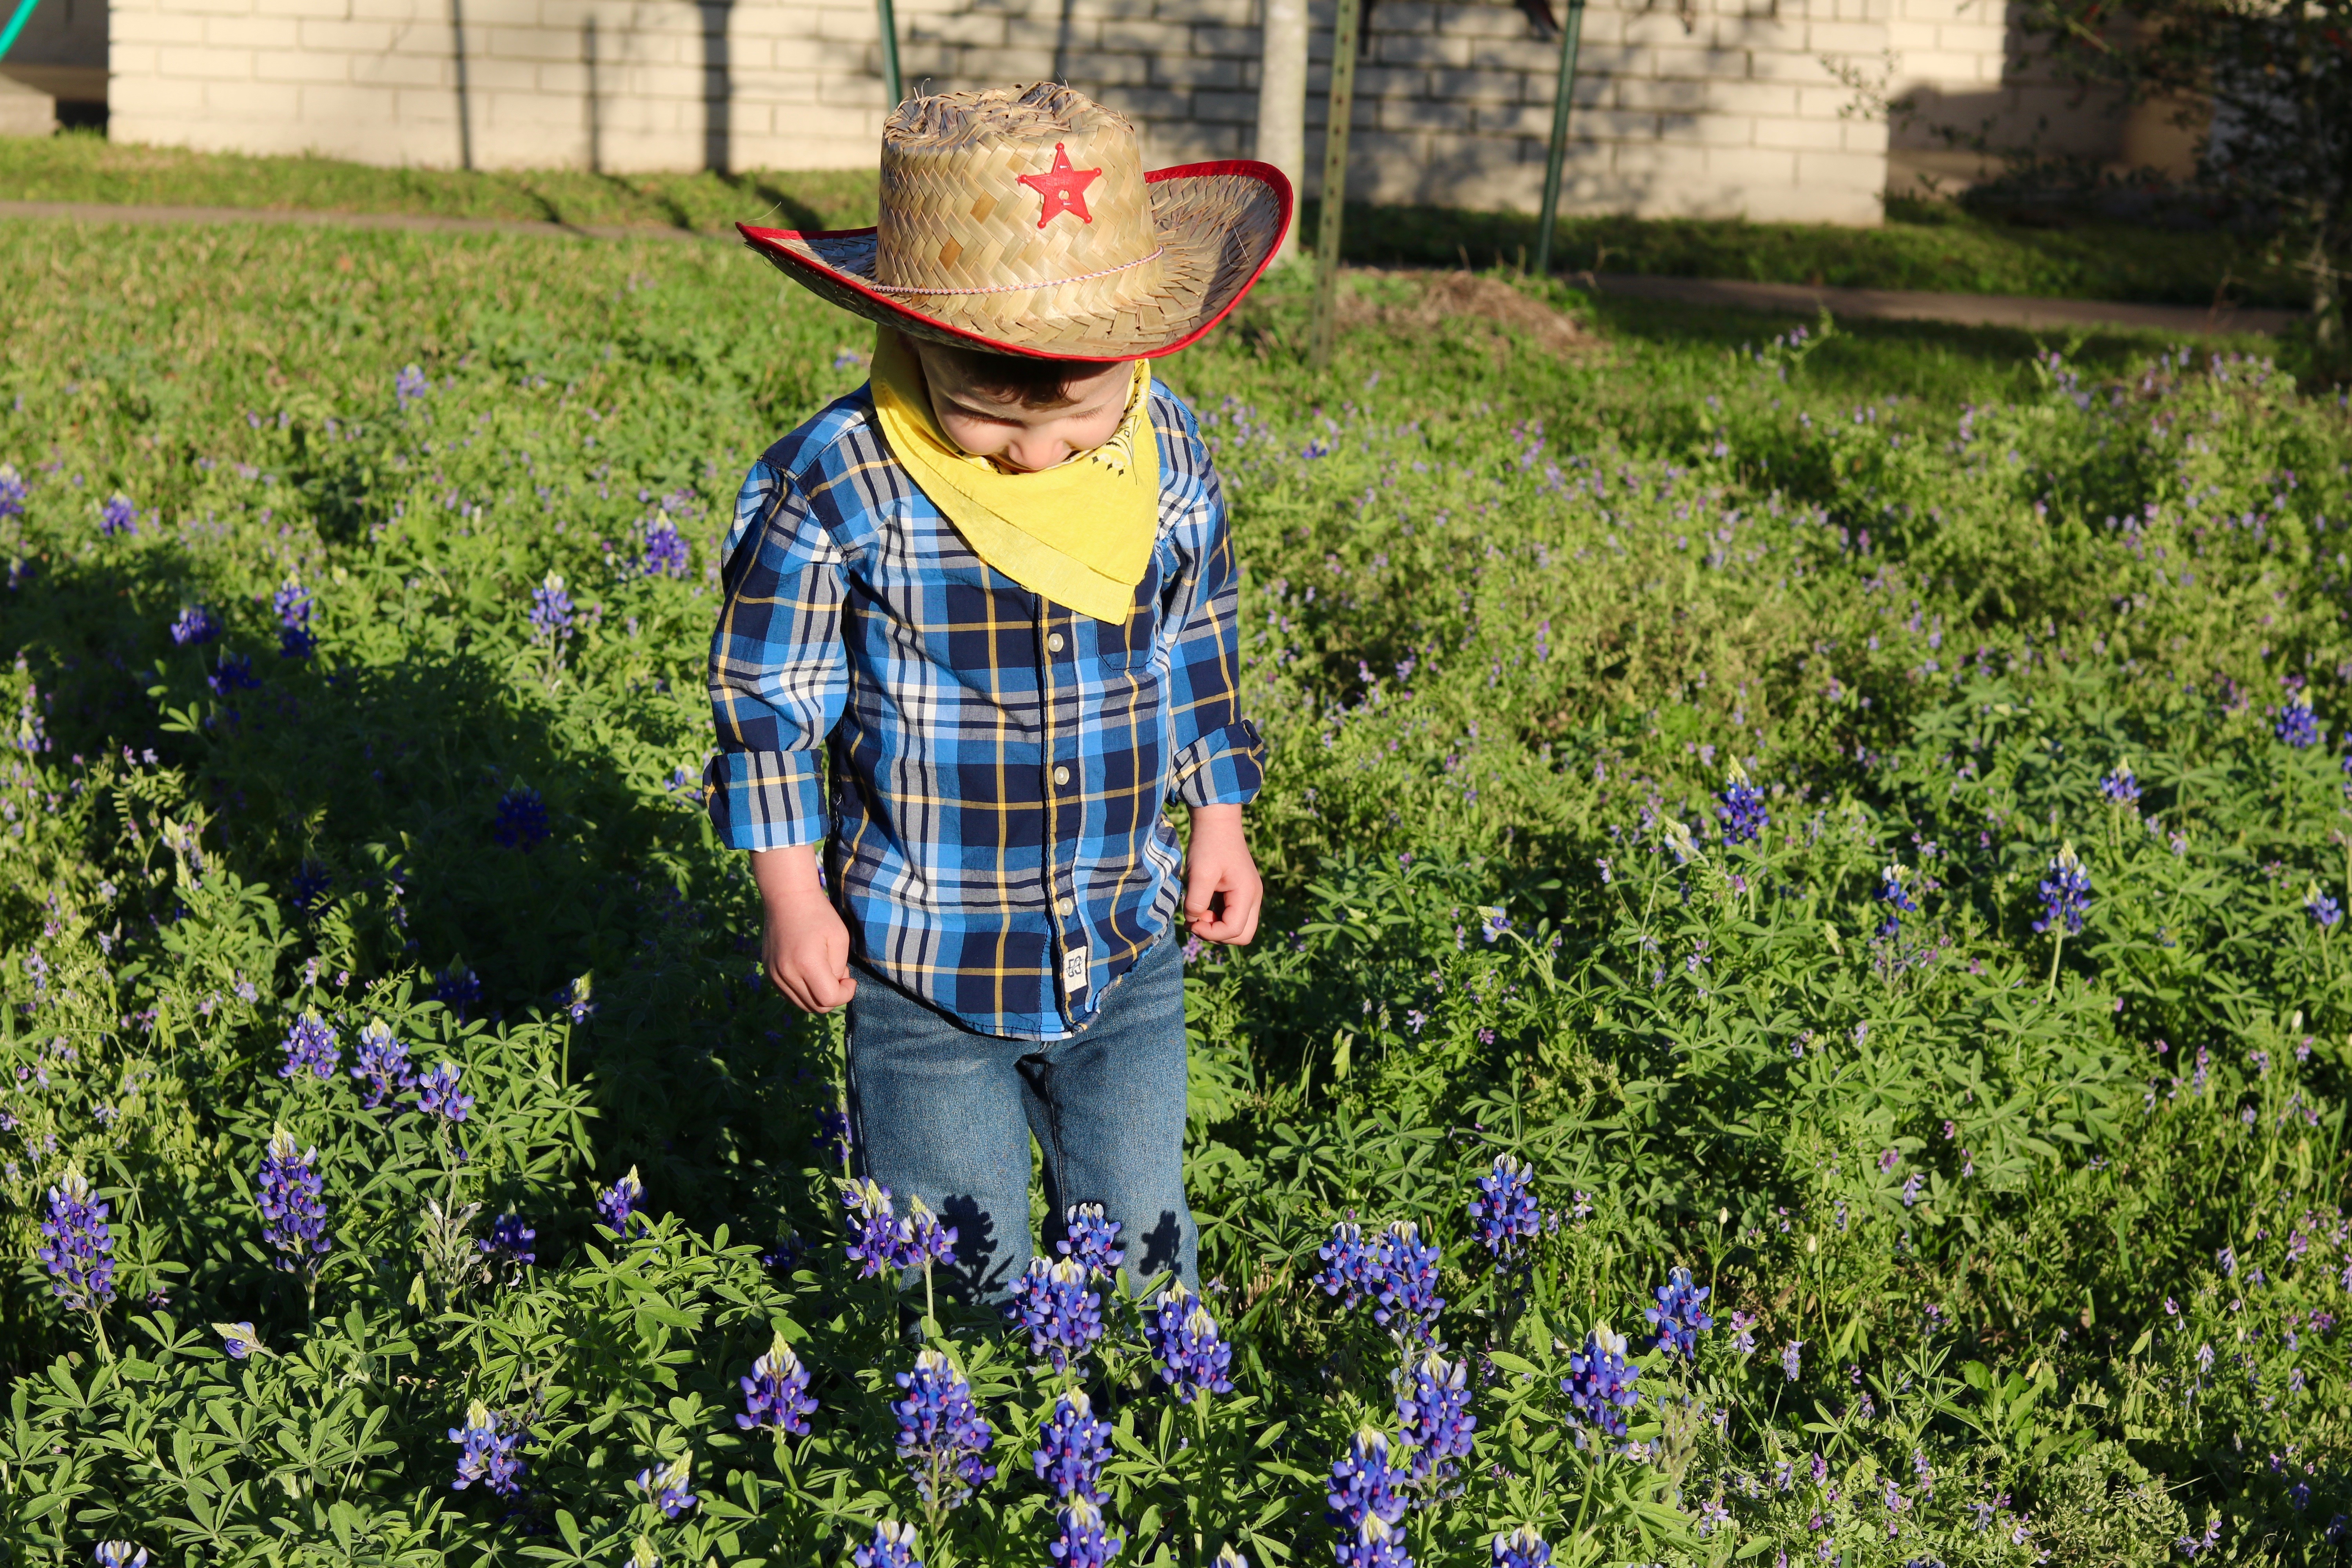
(1019, 288)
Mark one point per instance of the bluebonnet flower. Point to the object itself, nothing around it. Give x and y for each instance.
(1743, 1335)
(383, 1066)
(666, 553)
(1522, 1548)
(1898, 899)
(2066, 896)
(1229, 1558)
(893, 1547)
(1741, 807)
(521, 822)
(309, 889)
(458, 988)
(1600, 1384)
(833, 1133)
(294, 1215)
(2320, 906)
(872, 1238)
(513, 1241)
(776, 1396)
(1091, 1239)
(2122, 787)
(310, 1046)
(668, 1486)
(409, 386)
(623, 1205)
(643, 1555)
(436, 1094)
(942, 1437)
(1408, 1284)
(116, 516)
(1375, 1543)
(11, 491)
(238, 1340)
(291, 605)
(1191, 1353)
(1349, 1267)
(232, 672)
(121, 1555)
(1084, 1541)
(1073, 1450)
(2295, 724)
(488, 1452)
(577, 998)
(1432, 1405)
(920, 1240)
(1792, 1359)
(1911, 1185)
(194, 625)
(1681, 1318)
(1504, 1215)
(1064, 1316)
(550, 611)
(1364, 1483)
(80, 1245)
(1493, 923)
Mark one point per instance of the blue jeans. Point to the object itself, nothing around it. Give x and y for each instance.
(944, 1113)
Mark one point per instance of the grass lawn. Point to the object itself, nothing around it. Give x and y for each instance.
(1852, 823)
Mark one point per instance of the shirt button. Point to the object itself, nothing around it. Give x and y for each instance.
(1053, 642)
(1064, 906)
(1061, 775)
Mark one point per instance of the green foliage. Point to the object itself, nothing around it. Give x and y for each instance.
(2017, 1241)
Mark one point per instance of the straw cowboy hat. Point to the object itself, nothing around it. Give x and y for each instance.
(1021, 222)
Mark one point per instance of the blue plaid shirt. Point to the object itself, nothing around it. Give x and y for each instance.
(994, 826)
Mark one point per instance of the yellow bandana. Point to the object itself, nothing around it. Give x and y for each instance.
(1079, 534)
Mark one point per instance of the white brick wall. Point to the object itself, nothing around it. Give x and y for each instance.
(1723, 108)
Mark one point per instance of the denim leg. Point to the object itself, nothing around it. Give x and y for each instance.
(937, 1113)
(1108, 1106)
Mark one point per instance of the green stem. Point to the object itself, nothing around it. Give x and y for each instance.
(2057, 946)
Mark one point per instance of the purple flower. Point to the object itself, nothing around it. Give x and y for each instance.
(1084, 1541)
(293, 1213)
(121, 1555)
(1740, 808)
(311, 1044)
(291, 603)
(670, 1486)
(1743, 1335)
(893, 1547)
(1494, 923)
(458, 988)
(116, 516)
(666, 553)
(1522, 1548)
(11, 491)
(80, 1245)
(1897, 900)
(942, 1437)
(776, 1396)
(1073, 1450)
(232, 672)
(1408, 1281)
(2066, 896)
(1364, 1484)
(488, 1452)
(872, 1238)
(2122, 787)
(1185, 1342)
(521, 822)
(196, 625)
(1091, 1239)
(1504, 1213)
(1432, 1406)
(550, 611)
(383, 1065)
(2320, 906)
(1375, 1543)
(622, 1205)
(1600, 1384)
(436, 1094)
(238, 1340)
(1678, 1317)
(920, 1240)
(309, 887)
(2295, 724)
(1349, 1267)
(833, 1133)
(512, 1242)
(1911, 1189)
(409, 386)
(1064, 1316)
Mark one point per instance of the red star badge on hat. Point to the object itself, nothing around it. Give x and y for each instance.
(1063, 187)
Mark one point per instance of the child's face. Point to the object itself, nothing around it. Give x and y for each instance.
(996, 425)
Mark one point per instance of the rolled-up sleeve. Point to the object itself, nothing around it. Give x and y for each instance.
(779, 675)
(1219, 758)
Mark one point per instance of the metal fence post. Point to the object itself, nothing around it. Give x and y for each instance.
(889, 21)
(1570, 27)
(1320, 322)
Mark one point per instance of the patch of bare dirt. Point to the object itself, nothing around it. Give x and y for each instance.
(1434, 297)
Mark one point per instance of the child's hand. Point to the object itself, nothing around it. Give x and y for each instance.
(1221, 888)
(805, 948)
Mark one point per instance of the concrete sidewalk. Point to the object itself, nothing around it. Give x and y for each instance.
(1868, 304)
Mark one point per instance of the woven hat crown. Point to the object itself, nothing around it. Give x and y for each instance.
(1023, 204)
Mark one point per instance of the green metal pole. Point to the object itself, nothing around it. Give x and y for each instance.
(15, 26)
(889, 52)
(1335, 185)
(1570, 27)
